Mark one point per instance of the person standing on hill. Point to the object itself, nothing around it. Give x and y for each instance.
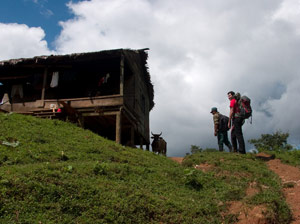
(220, 128)
(237, 123)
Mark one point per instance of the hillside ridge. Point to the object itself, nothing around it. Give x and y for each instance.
(60, 173)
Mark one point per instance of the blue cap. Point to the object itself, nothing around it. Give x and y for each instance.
(214, 109)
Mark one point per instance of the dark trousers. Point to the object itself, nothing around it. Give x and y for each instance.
(237, 135)
(223, 139)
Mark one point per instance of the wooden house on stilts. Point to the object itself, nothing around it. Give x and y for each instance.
(108, 92)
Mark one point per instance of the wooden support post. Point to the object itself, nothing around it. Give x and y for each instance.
(122, 75)
(44, 85)
(141, 142)
(132, 136)
(81, 121)
(118, 127)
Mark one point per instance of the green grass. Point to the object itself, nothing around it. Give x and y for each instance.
(59, 173)
(238, 171)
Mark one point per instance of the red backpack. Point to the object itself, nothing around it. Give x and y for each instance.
(245, 107)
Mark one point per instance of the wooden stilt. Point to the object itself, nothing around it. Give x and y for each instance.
(132, 136)
(44, 86)
(141, 142)
(81, 121)
(118, 127)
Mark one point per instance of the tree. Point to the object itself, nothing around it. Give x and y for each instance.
(272, 142)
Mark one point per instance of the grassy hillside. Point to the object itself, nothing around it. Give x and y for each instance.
(55, 172)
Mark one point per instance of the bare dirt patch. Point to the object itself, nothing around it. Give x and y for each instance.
(246, 214)
(252, 189)
(177, 159)
(290, 176)
(205, 167)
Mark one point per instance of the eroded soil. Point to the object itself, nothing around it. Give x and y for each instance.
(290, 177)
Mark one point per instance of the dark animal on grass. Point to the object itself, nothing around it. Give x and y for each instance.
(159, 145)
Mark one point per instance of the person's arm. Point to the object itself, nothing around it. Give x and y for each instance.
(216, 124)
(230, 117)
(216, 129)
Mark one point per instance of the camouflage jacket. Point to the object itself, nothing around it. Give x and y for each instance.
(216, 118)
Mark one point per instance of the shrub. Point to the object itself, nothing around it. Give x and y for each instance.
(272, 142)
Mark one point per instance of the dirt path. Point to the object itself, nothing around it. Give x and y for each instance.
(290, 177)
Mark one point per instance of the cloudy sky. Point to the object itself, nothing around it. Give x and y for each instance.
(199, 50)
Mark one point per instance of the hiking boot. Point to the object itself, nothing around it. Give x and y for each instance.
(230, 148)
(221, 148)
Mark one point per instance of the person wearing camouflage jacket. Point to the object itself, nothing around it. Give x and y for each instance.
(220, 131)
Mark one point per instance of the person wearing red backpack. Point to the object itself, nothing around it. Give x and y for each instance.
(236, 122)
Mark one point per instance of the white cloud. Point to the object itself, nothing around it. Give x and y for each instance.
(42, 7)
(289, 12)
(47, 12)
(19, 40)
(199, 50)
